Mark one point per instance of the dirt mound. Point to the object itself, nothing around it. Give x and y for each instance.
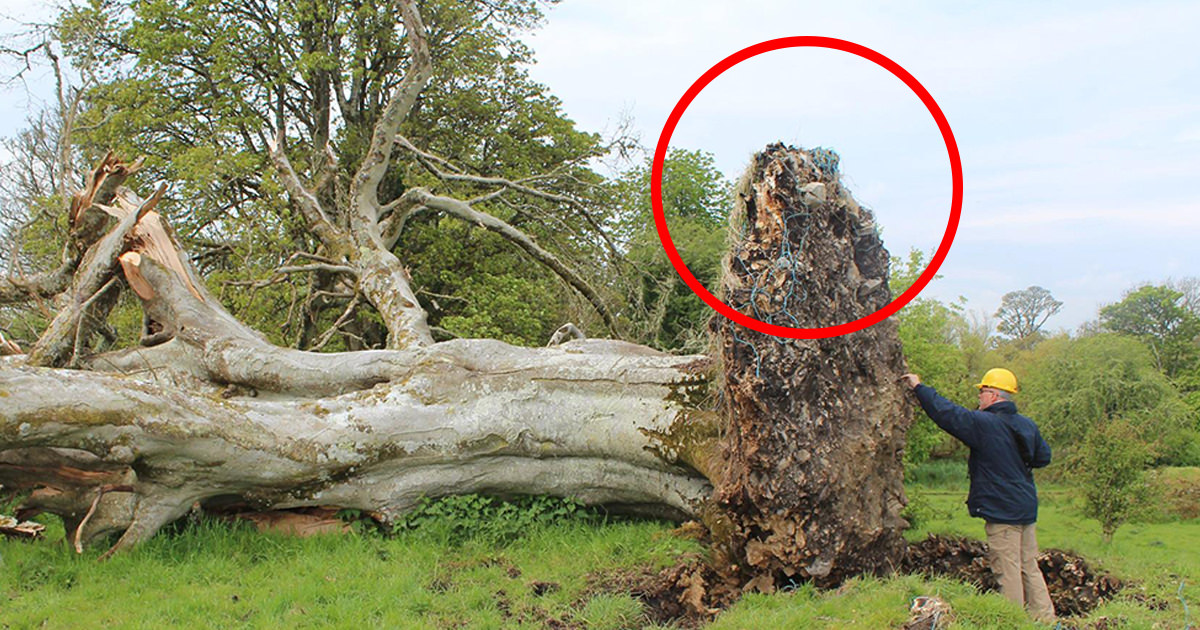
(692, 593)
(1075, 588)
(960, 558)
(688, 594)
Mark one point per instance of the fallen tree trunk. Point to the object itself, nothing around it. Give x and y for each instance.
(804, 453)
(468, 416)
(210, 413)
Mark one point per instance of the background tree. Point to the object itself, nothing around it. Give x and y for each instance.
(205, 104)
(696, 202)
(1023, 313)
(1111, 473)
(1187, 377)
(931, 333)
(1156, 315)
(1073, 387)
(1189, 286)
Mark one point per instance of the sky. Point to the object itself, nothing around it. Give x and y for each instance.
(1078, 123)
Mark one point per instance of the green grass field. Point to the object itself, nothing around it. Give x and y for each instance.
(450, 574)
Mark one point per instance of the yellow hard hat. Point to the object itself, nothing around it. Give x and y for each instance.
(999, 378)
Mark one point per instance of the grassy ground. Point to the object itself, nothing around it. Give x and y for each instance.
(1161, 558)
(212, 575)
(451, 572)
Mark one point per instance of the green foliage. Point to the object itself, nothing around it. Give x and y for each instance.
(475, 284)
(930, 332)
(504, 308)
(696, 203)
(212, 574)
(612, 612)
(198, 85)
(939, 474)
(458, 519)
(1111, 474)
(1157, 316)
(920, 510)
(1073, 387)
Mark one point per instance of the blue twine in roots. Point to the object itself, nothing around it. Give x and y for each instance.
(757, 358)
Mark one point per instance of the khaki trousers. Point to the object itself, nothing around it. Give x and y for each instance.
(1013, 551)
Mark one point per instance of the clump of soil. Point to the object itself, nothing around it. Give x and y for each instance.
(688, 594)
(692, 593)
(1075, 588)
(960, 558)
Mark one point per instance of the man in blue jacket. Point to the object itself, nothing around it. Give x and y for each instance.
(1005, 448)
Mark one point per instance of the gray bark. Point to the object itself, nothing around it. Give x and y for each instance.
(588, 420)
(212, 412)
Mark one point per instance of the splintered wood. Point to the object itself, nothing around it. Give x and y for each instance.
(12, 528)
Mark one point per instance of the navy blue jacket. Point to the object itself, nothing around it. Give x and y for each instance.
(1005, 448)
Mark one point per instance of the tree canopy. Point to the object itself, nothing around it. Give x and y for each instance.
(696, 203)
(206, 89)
(1023, 313)
(1157, 316)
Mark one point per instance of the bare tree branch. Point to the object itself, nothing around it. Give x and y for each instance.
(82, 331)
(431, 162)
(8, 347)
(305, 200)
(462, 210)
(337, 325)
(365, 186)
(318, 267)
(426, 159)
(15, 289)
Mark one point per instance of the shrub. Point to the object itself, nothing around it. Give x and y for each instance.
(1111, 469)
(941, 473)
(1179, 491)
(492, 521)
(1074, 387)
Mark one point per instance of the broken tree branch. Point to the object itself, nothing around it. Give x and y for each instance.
(56, 347)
